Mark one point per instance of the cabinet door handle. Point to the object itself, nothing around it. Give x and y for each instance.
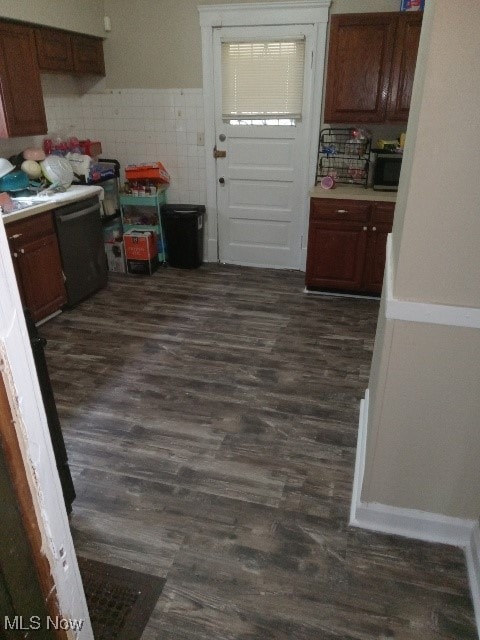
(365, 228)
(22, 250)
(374, 228)
(15, 255)
(342, 211)
(15, 236)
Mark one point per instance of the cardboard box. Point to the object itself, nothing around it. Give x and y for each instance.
(154, 171)
(143, 267)
(140, 245)
(116, 256)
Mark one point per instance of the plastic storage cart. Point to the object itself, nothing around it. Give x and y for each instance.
(183, 225)
(143, 213)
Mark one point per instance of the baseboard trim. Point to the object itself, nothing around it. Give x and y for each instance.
(472, 553)
(424, 312)
(412, 523)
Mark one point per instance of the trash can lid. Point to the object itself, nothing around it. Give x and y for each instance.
(184, 208)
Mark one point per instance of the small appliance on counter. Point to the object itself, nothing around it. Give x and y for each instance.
(386, 170)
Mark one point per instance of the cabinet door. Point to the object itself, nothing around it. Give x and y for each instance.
(22, 112)
(54, 50)
(337, 238)
(380, 227)
(359, 63)
(41, 275)
(403, 65)
(88, 55)
(37, 264)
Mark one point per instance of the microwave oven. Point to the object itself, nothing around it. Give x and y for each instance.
(386, 171)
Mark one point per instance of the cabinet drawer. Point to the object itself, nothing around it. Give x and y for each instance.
(30, 229)
(342, 210)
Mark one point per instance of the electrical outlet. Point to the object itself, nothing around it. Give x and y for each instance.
(200, 139)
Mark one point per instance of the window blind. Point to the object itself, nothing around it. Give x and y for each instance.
(263, 79)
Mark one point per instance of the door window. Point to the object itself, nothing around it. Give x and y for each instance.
(262, 82)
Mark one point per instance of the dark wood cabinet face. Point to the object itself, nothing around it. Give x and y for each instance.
(88, 55)
(347, 244)
(403, 66)
(359, 62)
(54, 50)
(22, 112)
(59, 51)
(336, 253)
(371, 65)
(37, 264)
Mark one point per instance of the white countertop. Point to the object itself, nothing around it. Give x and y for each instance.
(353, 192)
(44, 203)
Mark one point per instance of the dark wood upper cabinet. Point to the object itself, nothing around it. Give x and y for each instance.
(54, 50)
(371, 64)
(403, 65)
(88, 55)
(359, 61)
(22, 112)
(62, 52)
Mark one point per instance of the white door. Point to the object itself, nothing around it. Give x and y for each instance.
(261, 178)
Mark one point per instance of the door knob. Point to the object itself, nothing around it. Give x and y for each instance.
(221, 180)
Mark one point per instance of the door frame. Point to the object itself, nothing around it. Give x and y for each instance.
(26, 440)
(313, 12)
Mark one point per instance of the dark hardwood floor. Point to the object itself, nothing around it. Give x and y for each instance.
(211, 418)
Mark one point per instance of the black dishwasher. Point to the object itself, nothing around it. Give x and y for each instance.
(80, 238)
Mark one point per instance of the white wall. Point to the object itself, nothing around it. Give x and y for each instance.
(141, 125)
(423, 437)
(158, 44)
(424, 443)
(444, 172)
(85, 16)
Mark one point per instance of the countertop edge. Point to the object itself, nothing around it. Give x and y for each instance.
(76, 193)
(346, 192)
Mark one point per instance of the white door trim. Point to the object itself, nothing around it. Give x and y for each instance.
(19, 374)
(257, 14)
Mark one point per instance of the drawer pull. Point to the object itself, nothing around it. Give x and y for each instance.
(15, 236)
(342, 211)
(374, 228)
(365, 228)
(22, 250)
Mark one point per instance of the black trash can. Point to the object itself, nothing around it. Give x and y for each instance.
(183, 228)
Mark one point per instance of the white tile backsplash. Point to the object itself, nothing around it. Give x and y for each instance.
(134, 126)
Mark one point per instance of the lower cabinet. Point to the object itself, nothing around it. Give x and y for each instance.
(347, 244)
(36, 258)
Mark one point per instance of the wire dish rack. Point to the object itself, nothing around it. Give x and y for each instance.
(344, 155)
